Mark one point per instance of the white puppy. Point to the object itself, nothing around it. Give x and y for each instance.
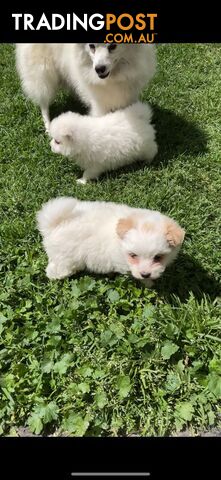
(107, 237)
(105, 143)
(106, 77)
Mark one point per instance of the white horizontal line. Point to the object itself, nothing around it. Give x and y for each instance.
(110, 474)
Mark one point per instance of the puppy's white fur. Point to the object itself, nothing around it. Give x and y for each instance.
(106, 237)
(43, 67)
(105, 143)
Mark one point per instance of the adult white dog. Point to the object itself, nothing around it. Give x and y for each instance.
(106, 77)
(105, 143)
(107, 237)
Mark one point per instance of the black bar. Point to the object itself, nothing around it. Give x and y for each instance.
(175, 22)
(51, 458)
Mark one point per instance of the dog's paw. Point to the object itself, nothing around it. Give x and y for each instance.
(51, 271)
(81, 181)
(57, 272)
(47, 129)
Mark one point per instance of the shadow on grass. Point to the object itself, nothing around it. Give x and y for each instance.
(184, 276)
(67, 102)
(176, 136)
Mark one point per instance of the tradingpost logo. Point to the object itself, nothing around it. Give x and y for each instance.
(123, 28)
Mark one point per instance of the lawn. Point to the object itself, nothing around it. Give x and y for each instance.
(97, 355)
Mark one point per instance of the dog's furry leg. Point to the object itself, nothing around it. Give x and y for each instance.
(46, 118)
(97, 110)
(57, 271)
(151, 152)
(89, 174)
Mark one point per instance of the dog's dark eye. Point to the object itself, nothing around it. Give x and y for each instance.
(133, 255)
(158, 258)
(112, 47)
(56, 141)
(92, 47)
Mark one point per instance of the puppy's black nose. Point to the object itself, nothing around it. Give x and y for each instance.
(100, 69)
(145, 275)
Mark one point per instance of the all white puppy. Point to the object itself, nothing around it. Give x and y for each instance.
(107, 237)
(106, 77)
(105, 143)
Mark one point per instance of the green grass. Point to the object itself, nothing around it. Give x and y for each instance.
(101, 355)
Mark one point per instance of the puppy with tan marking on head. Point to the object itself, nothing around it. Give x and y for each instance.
(105, 237)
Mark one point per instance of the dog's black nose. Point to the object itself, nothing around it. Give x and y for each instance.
(145, 275)
(100, 69)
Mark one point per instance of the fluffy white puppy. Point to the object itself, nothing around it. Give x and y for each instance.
(105, 143)
(106, 77)
(107, 237)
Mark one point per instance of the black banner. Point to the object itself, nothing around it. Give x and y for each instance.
(111, 21)
(110, 458)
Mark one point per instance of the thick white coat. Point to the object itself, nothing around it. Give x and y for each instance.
(44, 67)
(105, 143)
(100, 237)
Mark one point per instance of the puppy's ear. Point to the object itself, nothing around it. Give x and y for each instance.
(174, 233)
(124, 225)
(68, 136)
(67, 132)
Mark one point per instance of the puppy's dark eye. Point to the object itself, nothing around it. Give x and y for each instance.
(133, 255)
(112, 47)
(92, 47)
(158, 258)
(56, 141)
